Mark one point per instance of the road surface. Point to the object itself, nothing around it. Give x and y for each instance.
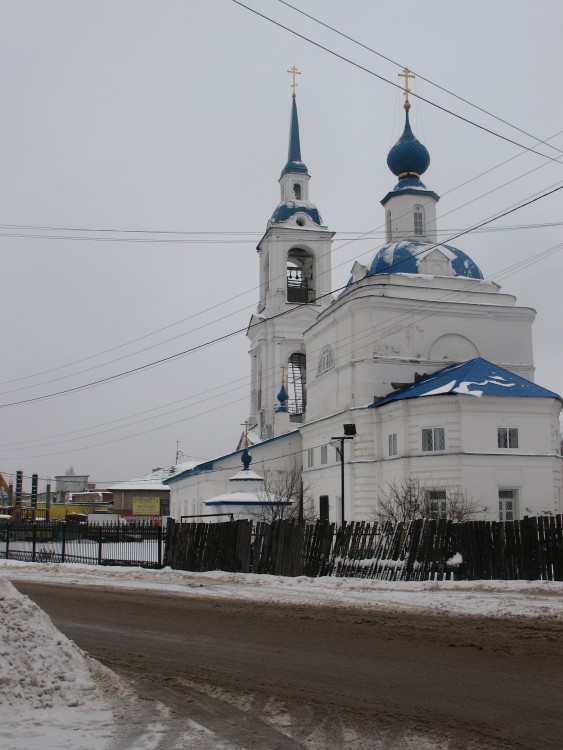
(275, 676)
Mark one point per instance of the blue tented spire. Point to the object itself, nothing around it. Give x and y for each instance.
(294, 163)
(294, 152)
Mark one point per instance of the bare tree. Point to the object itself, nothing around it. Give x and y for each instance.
(282, 498)
(411, 497)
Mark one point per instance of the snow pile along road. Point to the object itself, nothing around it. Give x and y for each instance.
(47, 684)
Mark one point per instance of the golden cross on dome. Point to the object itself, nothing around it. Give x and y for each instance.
(283, 368)
(406, 74)
(294, 72)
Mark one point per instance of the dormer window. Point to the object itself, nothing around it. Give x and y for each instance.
(418, 221)
(296, 191)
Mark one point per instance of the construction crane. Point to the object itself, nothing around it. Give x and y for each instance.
(5, 491)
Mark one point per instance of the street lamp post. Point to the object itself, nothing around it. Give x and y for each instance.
(349, 434)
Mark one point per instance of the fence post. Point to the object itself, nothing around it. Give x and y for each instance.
(63, 551)
(100, 544)
(33, 542)
(159, 538)
(8, 538)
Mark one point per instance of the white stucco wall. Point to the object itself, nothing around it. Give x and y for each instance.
(188, 492)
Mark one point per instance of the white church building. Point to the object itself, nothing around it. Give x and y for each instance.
(419, 369)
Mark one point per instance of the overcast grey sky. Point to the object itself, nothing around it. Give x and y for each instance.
(173, 116)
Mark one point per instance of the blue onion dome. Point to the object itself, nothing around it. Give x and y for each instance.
(282, 398)
(408, 158)
(406, 257)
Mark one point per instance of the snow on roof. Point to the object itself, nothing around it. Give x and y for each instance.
(477, 377)
(154, 480)
(246, 475)
(246, 498)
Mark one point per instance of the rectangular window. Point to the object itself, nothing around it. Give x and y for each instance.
(436, 503)
(393, 444)
(418, 228)
(507, 505)
(323, 508)
(433, 439)
(507, 437)
(324, 454)
(310, 457)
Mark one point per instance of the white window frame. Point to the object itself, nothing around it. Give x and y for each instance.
(437, 437)
(508, 504)
(418, 219)
(392, 444)
(507, 437)
(310, 457)
(324, 454)
(326, 361)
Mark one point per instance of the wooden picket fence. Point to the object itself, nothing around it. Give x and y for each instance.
(530, 549)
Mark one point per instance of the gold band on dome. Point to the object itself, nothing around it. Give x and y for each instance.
(409, 174)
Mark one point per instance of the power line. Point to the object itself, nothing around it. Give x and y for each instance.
(418, 75)
(395, 85)
(226, 336)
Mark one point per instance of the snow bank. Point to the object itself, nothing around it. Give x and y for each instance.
(47, 683)
(487, 598)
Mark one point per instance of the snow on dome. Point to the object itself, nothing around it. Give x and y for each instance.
(405, 257)
(287, 209)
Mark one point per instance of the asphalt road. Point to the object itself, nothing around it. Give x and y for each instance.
(282, 676)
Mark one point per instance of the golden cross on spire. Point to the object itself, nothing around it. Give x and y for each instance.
(406, 74)
(294, 72)
(283, 368)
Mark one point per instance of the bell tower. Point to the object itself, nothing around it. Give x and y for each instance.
(295, 285)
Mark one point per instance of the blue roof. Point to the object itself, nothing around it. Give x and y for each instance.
(477, 377)
(405, 256)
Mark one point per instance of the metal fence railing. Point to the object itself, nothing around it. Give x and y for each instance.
(134, 544)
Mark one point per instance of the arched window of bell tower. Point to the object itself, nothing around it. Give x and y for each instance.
(418, 221)
(296, 190)
(300, 276)
(296, 382)
(388, 218)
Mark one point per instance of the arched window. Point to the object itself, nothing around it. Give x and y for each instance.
(389, 235)
(296, 381)
(418, 221)
(296, 191)
(326, 360)
(300, 281)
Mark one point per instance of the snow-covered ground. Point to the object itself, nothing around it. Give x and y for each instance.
(54, 695)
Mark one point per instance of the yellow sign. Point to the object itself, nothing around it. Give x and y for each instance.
(146, 506)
